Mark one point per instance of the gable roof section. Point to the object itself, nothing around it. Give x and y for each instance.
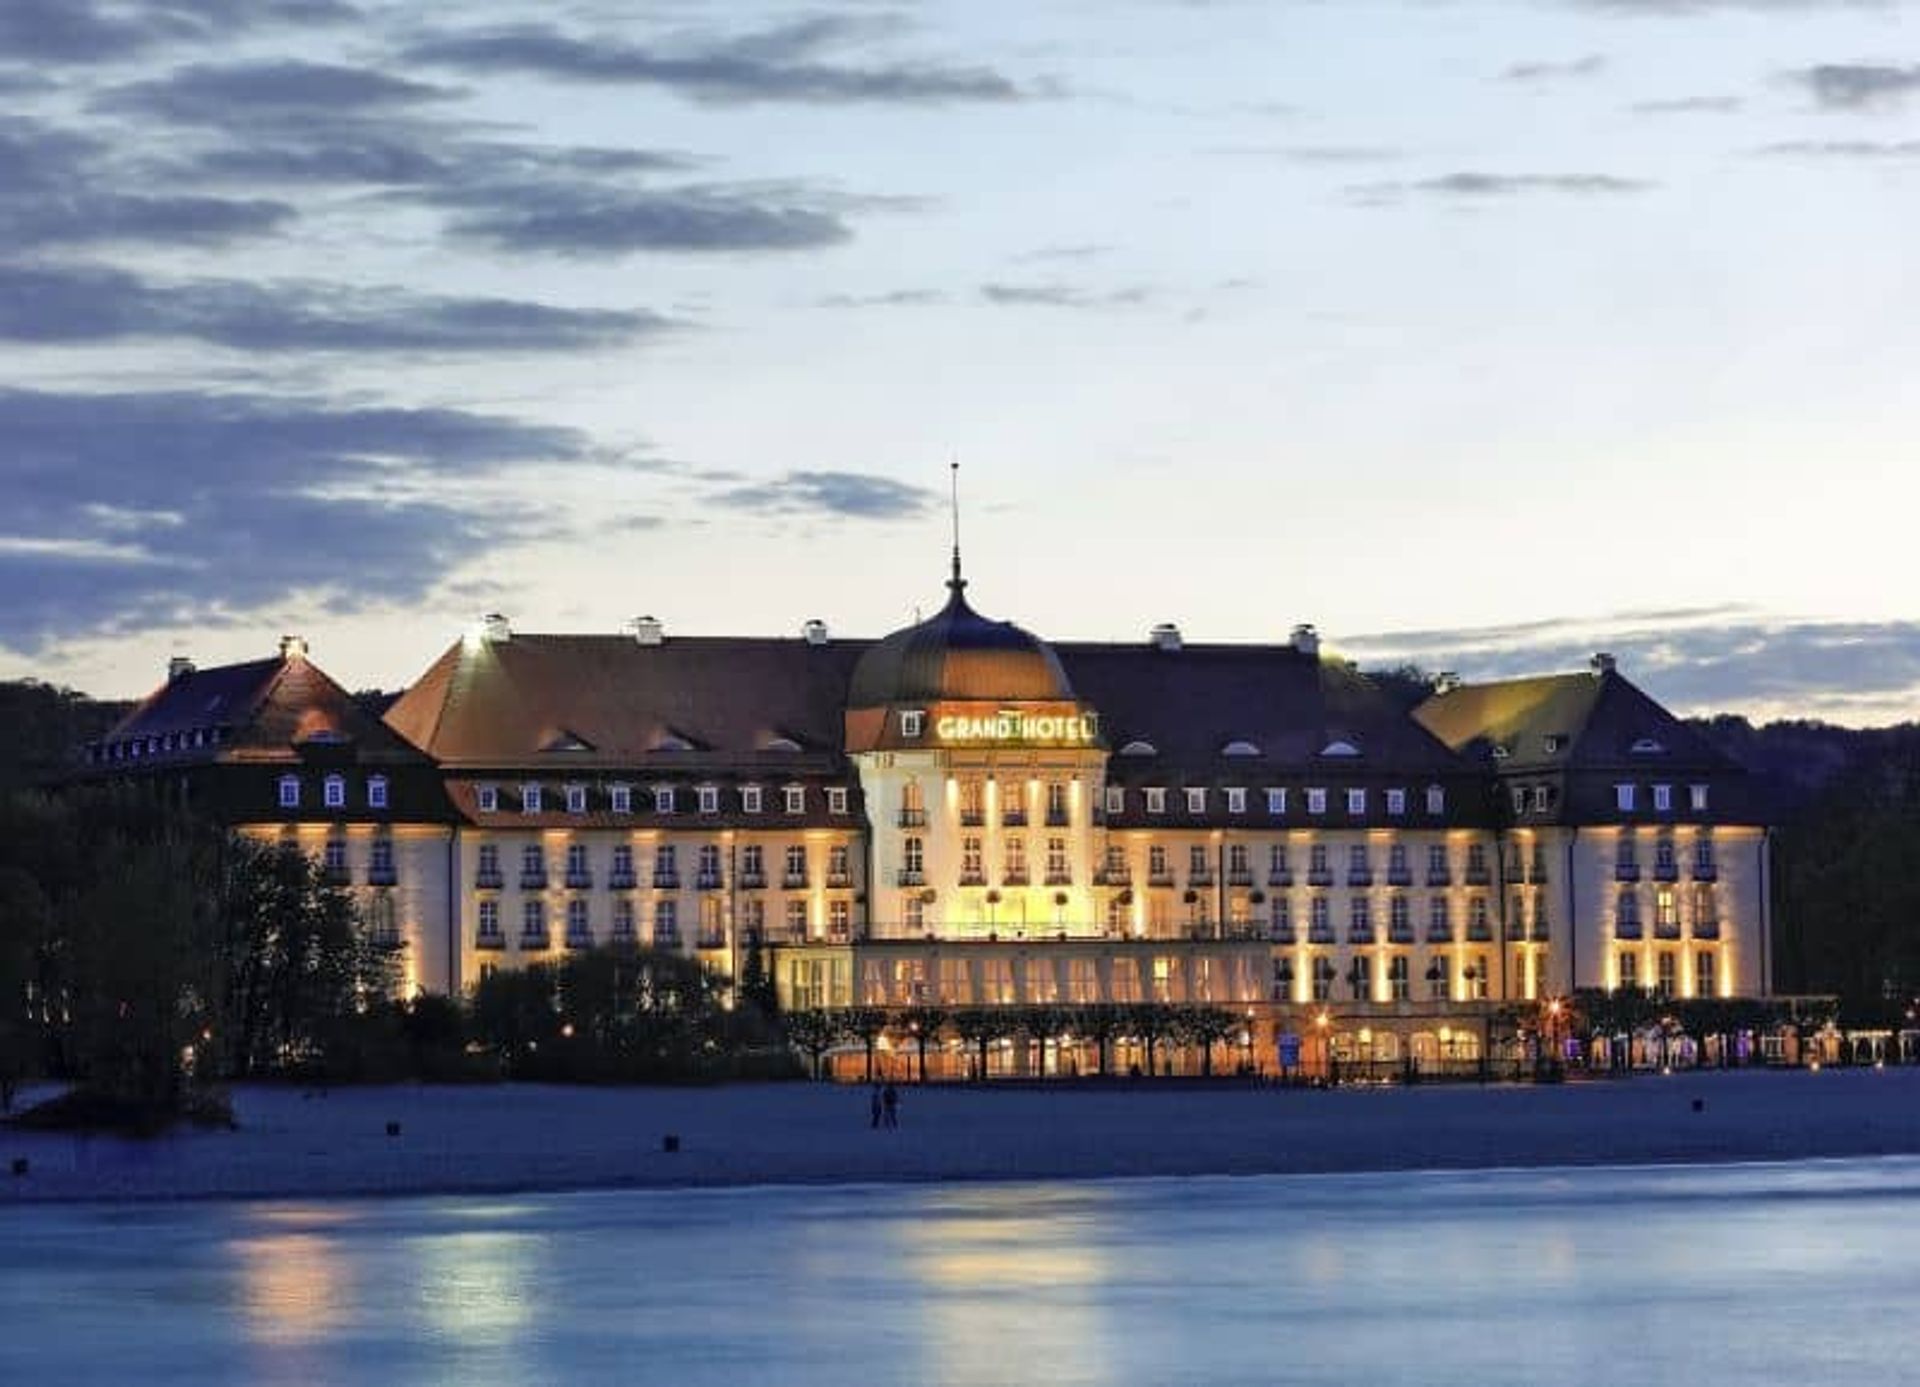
(1595, 718)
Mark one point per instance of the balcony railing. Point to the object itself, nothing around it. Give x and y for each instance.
(753, 881)
(621, 881)
(1281, 934)
(1399, 877)
(910, 876)
(490, 940)
(1359, 878)
(1400, 934)
(1015, 876)
(973, 878)
(1280, 876)
(666, 939)
(1704, 871)
(1058, 818)
(1061, 878)
(533, 881)
(1542, 931)
(487, 881)
(710, 939)
(972, 818)
(1159, 878)
(1666, 871)
(913, 818)
(1239, 876)
(1513, 873)
(666, 881)
(1478, 876)
(336, 876)
(579, 939)
(1202, 878)
(1442, 878)
(1439, 934)
(1706, 929)
(839, 881)
(1359, 934)
(579, 881)
(707, 881)
(1013, 818)
(1666, 930)
(1113, 876)
(1481, 933)
(534, 939)
(1626, 929)
(1626, 871)
(1319, 877)
(622, 934)
(794, 881)
(1320, 934)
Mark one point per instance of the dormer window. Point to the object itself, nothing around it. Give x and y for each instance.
(1316, 801)
(1340, 747)
(1139, 749)
(1196, 801)
(488, 798)
(1116, 799)
(1156, 800)
(530, 799)
(1396, 802)
(289, 792)
(1501, 751)
(1276, 801)
(913, 723)
(1552, 742)
(1239, 748)
(1663, 799)
(333, 791)
(1356, 802)
(377, 792)
(1697, 798)
(663, 799)
(576, 799)
(751, 799)
(1436, 800)
(1647, 746)
(620, 798)
(1236, 801)
(1623, 798)
(709, 799)
(796, 799)
(836, 799)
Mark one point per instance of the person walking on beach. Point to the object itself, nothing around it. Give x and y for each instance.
(890, 1100)
(876, 1105)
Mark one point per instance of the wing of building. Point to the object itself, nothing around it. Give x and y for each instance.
(963, 814)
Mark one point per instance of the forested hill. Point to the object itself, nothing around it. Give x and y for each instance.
(41, 724)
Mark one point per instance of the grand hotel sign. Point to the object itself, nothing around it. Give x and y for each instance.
(1017, 727)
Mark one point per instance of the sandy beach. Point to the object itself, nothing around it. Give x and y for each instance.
(523, 1137)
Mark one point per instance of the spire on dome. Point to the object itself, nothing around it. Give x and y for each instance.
(956, 583)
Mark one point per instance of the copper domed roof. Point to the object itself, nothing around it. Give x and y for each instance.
(958, 655)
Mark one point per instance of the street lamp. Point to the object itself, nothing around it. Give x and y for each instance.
(1474, 975)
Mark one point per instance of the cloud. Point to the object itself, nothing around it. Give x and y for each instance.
(70, 304)
(289, 90)
(1469, 185)
(1687, 105)
(852, 495)
(1590, 66)
(1043, 255)
(893, 298)
(776, 64)
(1867, 150)
(581, 218)
(1696, 660)
(96, 31)
(1056, 295)
(252, 500)
(1858, 86)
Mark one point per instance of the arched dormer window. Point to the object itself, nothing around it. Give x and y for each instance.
(672, 741)
(1339, 746)
(781, 744)
(1647, 746)
(1239, 748)
(1139, 749)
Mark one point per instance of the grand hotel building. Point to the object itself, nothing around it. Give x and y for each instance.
(964, 814)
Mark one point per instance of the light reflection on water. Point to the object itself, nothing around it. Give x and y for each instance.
(1761, 1275)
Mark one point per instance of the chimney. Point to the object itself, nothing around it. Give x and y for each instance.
(293, 647)
(815, 632)
(495, 627)
(647, 630)
(1306, 640)
(1165, 636)
(1601, 664)
(1445, 682)
(179, 667)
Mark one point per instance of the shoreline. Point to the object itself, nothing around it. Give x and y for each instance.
(524, 1139)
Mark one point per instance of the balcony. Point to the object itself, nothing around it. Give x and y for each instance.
(1015, 876)
(487, 881)
(1281, 877)
(839, 881)
(1439, 934)
(1513, 874)
(1538, 874)
(972, 818)
(1626, 871)
(1704, 871)
(1400, 934)
(1113, 876)
(910, 876)
(1200, 879)
(1281, 934)
(1666, 871)
(1706, 929)
(1626, 929)
(622, 934)
(913, 818)
(753, 881)
(1159, 878)
(1478, 876)
(1358, 934)
(973, 878)
(709, 939)
(533, 881)
(1059, 818)
(533, 940)
(707, 881)
(1059, 879)
(1480, 933)
(794, 881)
(580, 939)
(666, 881)
(1439, 879)
(1239, 876)
(840, 934)
(1359, 878)
(579, 881)
(621, 881)
(796, 934)
(335, 876)
(1542, 931)
(1320, 934)
(1516, 930)
(382, 876)
(490, 941)
(1399, 877)
(1013, 818)
(1666, 929)
(666, 939)
(1319, 877)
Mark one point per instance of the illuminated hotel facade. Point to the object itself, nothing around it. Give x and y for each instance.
(962, 814)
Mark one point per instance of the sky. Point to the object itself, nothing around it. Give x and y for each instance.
(1482, 334)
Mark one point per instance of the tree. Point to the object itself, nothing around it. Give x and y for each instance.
(1204, 1027)
(25, 929)
(1102, 1023)
(1154, 1024)
(923, 1024)
(815, 1033)
(978, 1028)
(866, 1025)
(756, 983)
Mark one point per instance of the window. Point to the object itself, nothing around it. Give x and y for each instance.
(913, 911)
(836, 799)
(709, 864)
(1703, 854)
(1481, 977)
(1663, 860)
(1399, 922)
(1358, 866)
(489, 863)
(1236, 801)
(1237, 863)
(1280, 917)
(1697, 798)
(1626, 915)
(1276, 801)
(533, 922)
(1626, 856)
(1703, 974)
(666, 923)
(753, 862)
(576, 862)
(913, 723)
(1666, 970)
(488, 797)
(1397, 862)
(1477, 927)
(795, 797)
(1360, 920)
(576, 799)
(1016, 859)
(530, 799)
(623, 863)
(796, 864)
(750, 799)
(1157, 868)
(1057, 874)
(334, 792)
(1436, 864)
(1277, 863)
(1542, 798)
(1439, 985)
(972, 798)
(1156, 800)
(1056, 802)
(796, 919)
(1396, 802)
(1356, 802)
(1436, 800)
(663, 799)
(1116, 800)
(334, 857)
(1629, 969)
(1476, 859)
(489, 919)
(1519, 794)
(377, 792)
(838, 872)
(623, 917)
(839, 919)
(708, 799)
(1623, 798)
(533, 864)
(972, 868)
(1439, 921)
(913, 856)
(1196, 801)
(1322, 980)
(666, 869)
(289, 792)
(1398, 985)
(620, 799)
(579, 924)
(1197, 861)
(1666, 910)
(1316, 801)
(1317, 861)
(1662, 799)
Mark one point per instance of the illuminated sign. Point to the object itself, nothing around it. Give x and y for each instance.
(1011, 725)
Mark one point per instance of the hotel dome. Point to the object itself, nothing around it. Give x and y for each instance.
(958, 655)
